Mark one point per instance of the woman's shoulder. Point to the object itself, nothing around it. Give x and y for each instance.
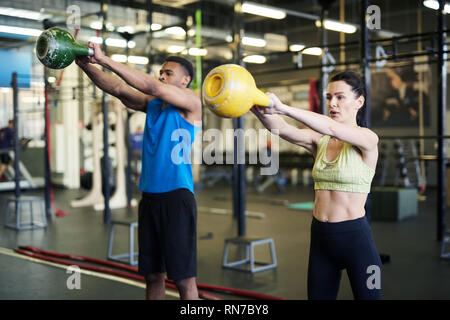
(370, 133)
(319, 140)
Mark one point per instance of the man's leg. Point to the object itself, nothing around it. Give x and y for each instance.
(187, 289)
(156, 289)
(150, 255)
(181, 243)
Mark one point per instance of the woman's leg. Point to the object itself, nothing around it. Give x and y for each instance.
(324, 275)
(364, 268)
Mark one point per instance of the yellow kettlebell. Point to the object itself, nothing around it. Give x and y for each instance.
(230, 91)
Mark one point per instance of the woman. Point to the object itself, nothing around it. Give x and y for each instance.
(345, 159)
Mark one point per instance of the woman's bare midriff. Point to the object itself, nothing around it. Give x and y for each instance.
(337, 206)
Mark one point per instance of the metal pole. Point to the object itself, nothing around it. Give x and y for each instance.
(442, 106)
(365, 75)
(198, 61)
(148, 48)
(365, 67)
(129, 186)
(342, 34)
(198, 44)
(238, 124)
(106, 170)
(48, 205)
(16, 136)
(323, 73)
(423, 176)
(365, 58)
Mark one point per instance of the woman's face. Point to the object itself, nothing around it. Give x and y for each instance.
(343, 105)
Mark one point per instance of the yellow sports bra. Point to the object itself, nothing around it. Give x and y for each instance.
(347, 172)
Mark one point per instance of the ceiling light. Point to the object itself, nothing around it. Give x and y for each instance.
(261, 10)
(176, 31)
(20, 13)
(138, 60)
(119, 58)
(255, 59)
(191, 32)
(120, 43)
(433, 4)
(276, 42)
(315, 51)
(156, 27)
(198, 52)
(109, 26)
(128, 29)
(387, 34)
(210, 32)
(337, 26)
(296, 47)
(255, 42)
(131, 59)
(21, 31)
(175, 49)
(97, 25)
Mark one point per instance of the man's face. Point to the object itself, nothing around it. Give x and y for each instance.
(173, 73)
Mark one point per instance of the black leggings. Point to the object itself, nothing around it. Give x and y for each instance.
(343, 245)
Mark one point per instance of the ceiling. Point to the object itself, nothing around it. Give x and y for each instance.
(397, 17)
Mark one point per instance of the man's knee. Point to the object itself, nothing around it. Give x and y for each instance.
(185, 283)
(187, 288)
(154, 278)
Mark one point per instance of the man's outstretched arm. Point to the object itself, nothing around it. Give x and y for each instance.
(181, 97)
(131, 98)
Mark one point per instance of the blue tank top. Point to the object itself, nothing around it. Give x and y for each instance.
(166, 150)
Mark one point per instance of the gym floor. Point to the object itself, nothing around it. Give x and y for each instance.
(414, 272)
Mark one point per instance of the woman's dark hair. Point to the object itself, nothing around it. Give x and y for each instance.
(358, 89)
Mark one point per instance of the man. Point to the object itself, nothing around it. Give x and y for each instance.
(167, 211)
(6, 142)
(402, 104)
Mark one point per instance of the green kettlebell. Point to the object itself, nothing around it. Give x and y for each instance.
(56, 48)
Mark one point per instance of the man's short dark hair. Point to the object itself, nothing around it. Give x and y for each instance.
(186, 64)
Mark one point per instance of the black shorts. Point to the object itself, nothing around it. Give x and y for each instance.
(168, 234)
